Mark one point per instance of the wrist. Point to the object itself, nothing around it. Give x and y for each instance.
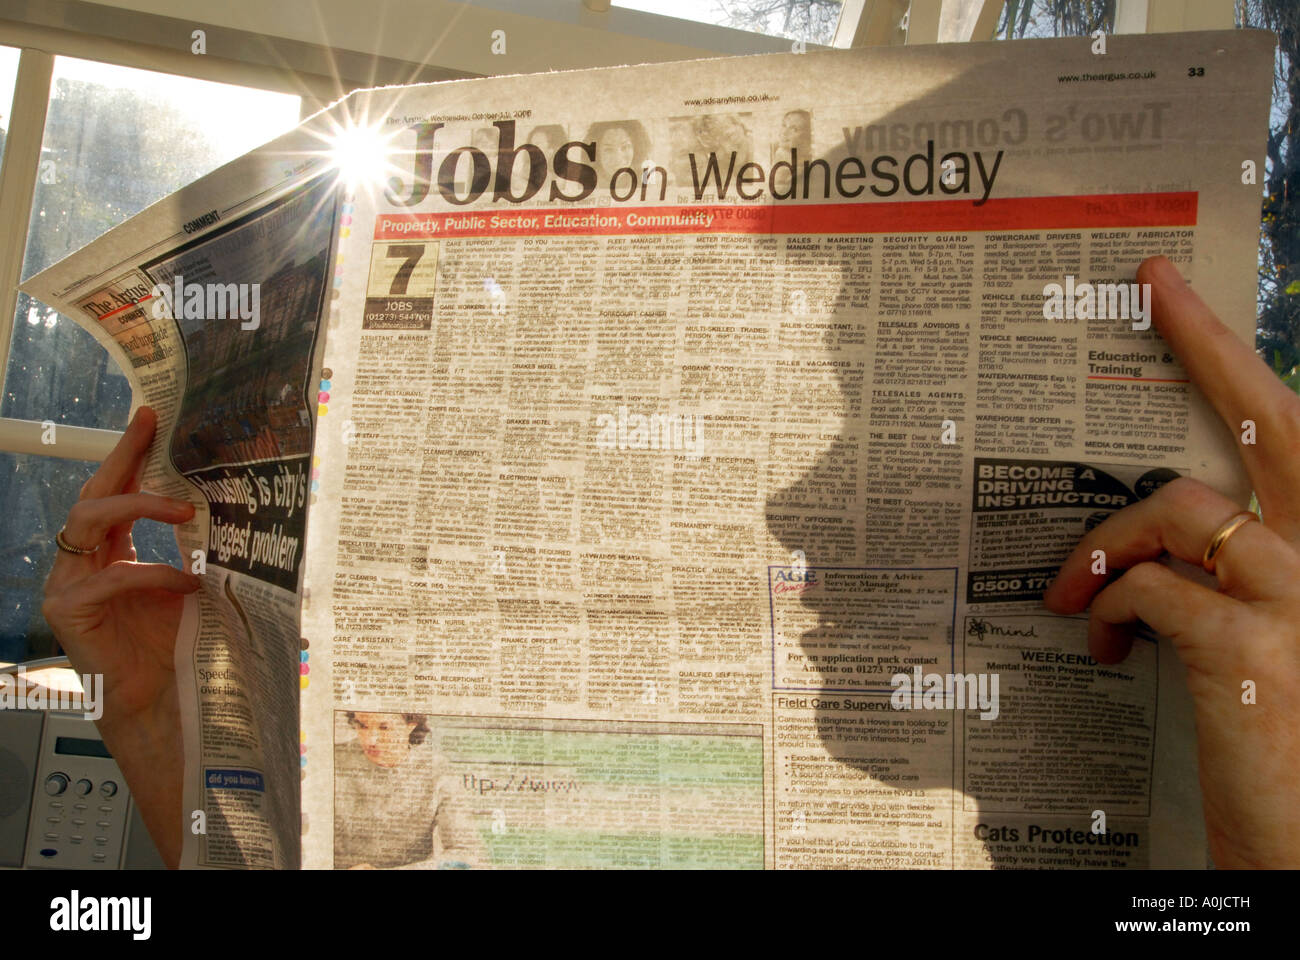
(150, 753)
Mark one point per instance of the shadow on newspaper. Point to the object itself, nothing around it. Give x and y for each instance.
(872, 656)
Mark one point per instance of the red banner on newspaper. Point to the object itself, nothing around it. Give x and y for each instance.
(1089, 212)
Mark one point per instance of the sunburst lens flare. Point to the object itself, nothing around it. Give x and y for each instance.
(361, 155)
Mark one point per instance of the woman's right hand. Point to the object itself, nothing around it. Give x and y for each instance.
(1242, 640)
(118, 618)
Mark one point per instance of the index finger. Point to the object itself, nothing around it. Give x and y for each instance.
(122, 462)
(1239, 385)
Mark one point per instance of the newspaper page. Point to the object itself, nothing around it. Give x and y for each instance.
(217, 323)
(677, 411)
(693, 443)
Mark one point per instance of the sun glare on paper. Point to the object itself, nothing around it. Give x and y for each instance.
(360, 154)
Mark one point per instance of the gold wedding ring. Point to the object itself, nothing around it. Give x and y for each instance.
(1221, 537)
(64, 545)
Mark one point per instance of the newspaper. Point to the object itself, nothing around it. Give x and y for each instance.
(660, 466)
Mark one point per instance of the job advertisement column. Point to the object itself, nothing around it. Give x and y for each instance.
(870, 517)
(1081, 411)
(858, 783)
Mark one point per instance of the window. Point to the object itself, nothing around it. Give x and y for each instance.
(812, 21)
(8, 73)
(116, 139)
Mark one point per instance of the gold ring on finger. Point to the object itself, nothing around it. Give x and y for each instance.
(64, 545)
(1221, 537)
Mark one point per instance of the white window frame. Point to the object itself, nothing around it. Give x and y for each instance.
(38, 46)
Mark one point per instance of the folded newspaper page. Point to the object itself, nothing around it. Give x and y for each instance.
(661, 466)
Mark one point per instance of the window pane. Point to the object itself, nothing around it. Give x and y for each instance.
(8, 73)
(35, 495)
(812, 21)
(116, 140)
(1047, 18)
